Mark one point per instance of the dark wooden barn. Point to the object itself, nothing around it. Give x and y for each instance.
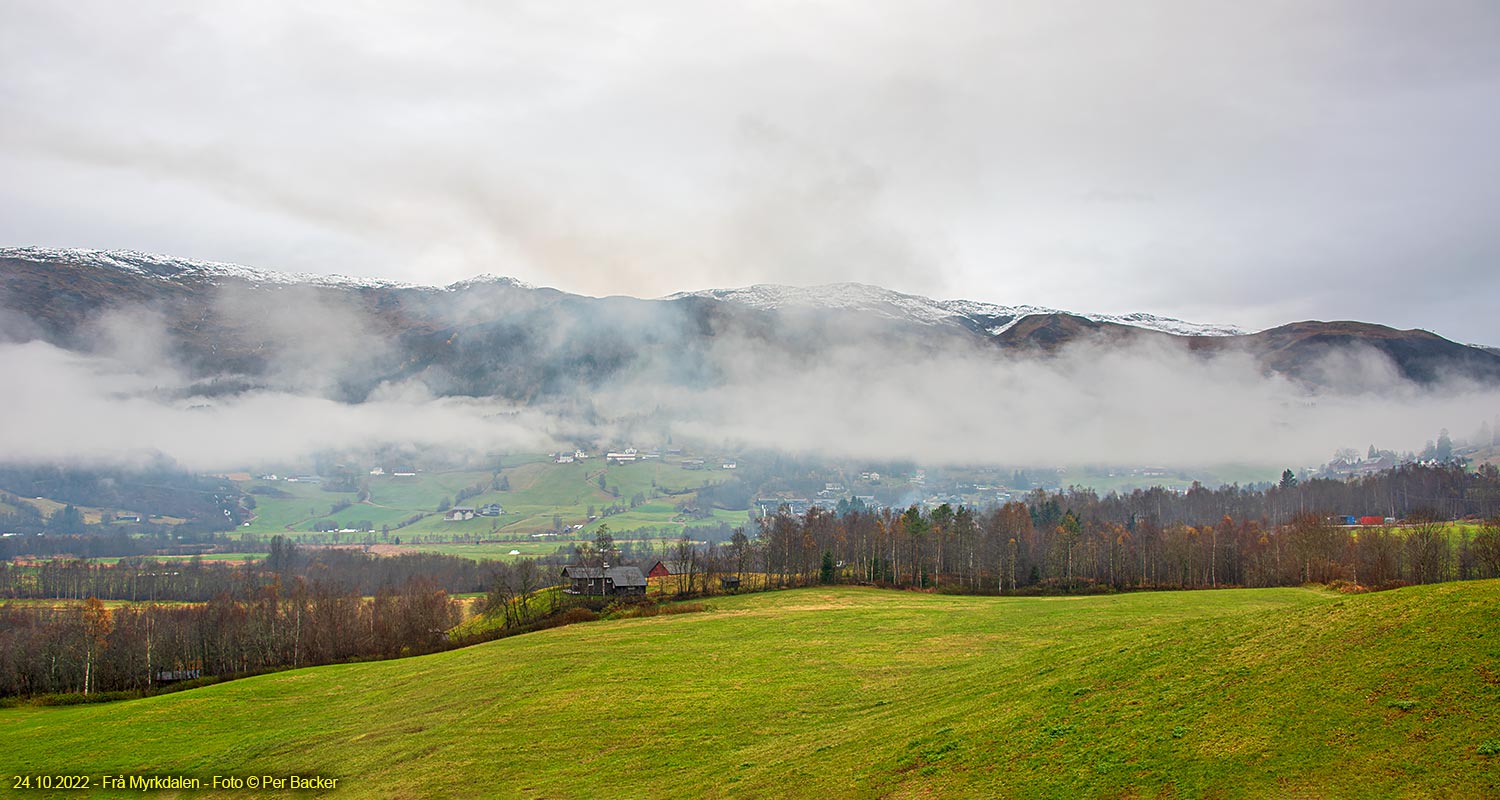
(605, 581)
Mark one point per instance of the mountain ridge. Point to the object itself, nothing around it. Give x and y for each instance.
(847, 295)
(861, 296)
(496, 336)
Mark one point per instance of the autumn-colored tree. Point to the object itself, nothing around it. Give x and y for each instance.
(1487, 548)
(1069, 530)
(96, 627)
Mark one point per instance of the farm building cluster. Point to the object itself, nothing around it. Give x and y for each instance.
(629, 581)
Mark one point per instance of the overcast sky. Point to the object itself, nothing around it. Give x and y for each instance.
(1249, 163)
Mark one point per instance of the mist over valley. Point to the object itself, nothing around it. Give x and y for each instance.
(129, 357)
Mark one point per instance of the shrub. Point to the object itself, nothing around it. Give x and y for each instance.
(576, 614)
(636, 610)
(79, 698)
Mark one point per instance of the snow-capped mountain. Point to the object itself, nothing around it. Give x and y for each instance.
(487, 279)
(496, 336)
(859, 297)
(909, 307)
(162, 267)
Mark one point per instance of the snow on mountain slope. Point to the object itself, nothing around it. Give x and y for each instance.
(993, 319)
(162, 267)
(895, 305)
(487, 280)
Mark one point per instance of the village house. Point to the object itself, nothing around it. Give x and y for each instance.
(628, 456)
(491, 510)
(459, 514)
(770, 506)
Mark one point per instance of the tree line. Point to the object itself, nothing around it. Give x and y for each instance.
(1076, 540)
(90, 648)
(297, 607)
(1018, 548)
(196, 580)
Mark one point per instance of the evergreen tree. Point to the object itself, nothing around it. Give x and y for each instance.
(66, 520)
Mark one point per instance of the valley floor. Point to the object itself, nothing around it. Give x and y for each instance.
(851, 692)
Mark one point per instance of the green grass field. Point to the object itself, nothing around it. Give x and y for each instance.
(492, 551)
(540, 491)
(236, 558)
(866, 693)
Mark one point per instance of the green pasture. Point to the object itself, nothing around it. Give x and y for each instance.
(529, 548)
(488, 551)
(853, 692)
(665, 515)
(539, 491)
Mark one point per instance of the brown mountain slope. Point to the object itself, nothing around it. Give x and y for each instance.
(1303, 349)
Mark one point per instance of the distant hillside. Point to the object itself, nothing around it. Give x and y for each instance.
(1420, 356)
(238, 328)
(866, 693)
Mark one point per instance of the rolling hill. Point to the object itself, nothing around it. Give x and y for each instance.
(855, 692)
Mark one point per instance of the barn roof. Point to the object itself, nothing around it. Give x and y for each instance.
(626, 576)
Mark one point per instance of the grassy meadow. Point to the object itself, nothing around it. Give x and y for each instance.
(540, 492)
(852, 692)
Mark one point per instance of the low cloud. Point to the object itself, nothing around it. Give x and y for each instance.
(831, 391)
(1143, 403)
(76, 408)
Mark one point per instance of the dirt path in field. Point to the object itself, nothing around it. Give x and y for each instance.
(376, 549)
